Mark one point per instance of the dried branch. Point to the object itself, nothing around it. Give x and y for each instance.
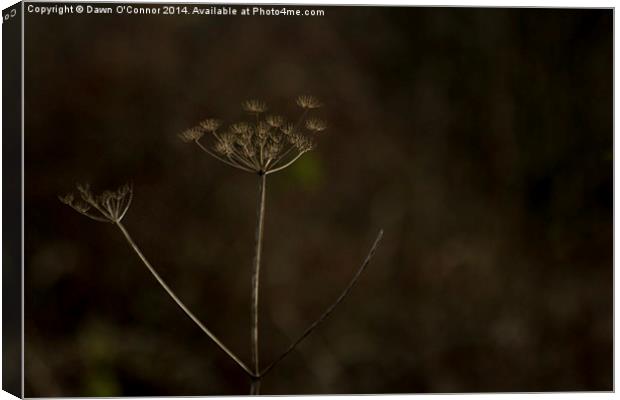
(163, 284)
(329, 310)
(276, 169)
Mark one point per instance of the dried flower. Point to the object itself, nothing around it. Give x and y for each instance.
(224, 147)
(302, 143)
(191, 135)
(211, 124)
(240, 127)
(254, 106)
(262, 129)
(275, 121)
(287, 129)
(316, 125)
(263, 145)
(309, 102)
(109, 206)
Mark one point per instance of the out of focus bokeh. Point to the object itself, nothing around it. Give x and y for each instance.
(480, 140)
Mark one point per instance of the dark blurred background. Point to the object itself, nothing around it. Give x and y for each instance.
(480, 140)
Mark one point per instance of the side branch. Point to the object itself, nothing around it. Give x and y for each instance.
(212, 154)
(330, 309)
(180, 303)
(276, 169)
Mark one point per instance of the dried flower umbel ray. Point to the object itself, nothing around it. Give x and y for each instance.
(265, 144)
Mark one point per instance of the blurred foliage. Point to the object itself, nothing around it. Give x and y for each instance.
(307, 172)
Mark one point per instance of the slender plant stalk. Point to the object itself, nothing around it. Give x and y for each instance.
(271, 171)
(232, 164)
(255, 387)
(256, 270)
(329, 310)
(163, 284)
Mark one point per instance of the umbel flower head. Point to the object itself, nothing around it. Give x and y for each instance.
(109, 206)
(265, 143)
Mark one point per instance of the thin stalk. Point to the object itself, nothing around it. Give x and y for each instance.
(281, 157)
(239, 158)
(163, 284)
(301, 118)
(255, 387)
(271, 171)
(238, 166)
(329, 310)
(256, 272)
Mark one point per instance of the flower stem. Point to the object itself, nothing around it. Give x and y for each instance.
(255, 387)
(174, 297)
(256, 271)
(329, 310)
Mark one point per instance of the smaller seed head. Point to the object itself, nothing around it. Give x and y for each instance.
(262, 129)
(287, 129)
(316, 125)
(78, 205)
(211, 124)
(301, 142)
(191, 134)
(273, 149)
(275, 138)
(67, 199)
(224, 147)
(308, 102)
(110, 206)
(240, 128)
(275, 121)
(254, 106)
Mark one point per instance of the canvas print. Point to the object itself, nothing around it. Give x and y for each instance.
(311, 199)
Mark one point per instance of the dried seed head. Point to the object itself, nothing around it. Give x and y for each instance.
(307, 145)
(309, 102)
(191, 134)
(211, 124)
(272, 150)
(275, 121)
(78, 205)
(240, 128)
(262, 129)
(301, 143)
(224, 147)
(85, 193)
(316, 125)
(276, 138)
(67, 199)
(254, 106)
(265, 143)
(287, 129)
(110, 206)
